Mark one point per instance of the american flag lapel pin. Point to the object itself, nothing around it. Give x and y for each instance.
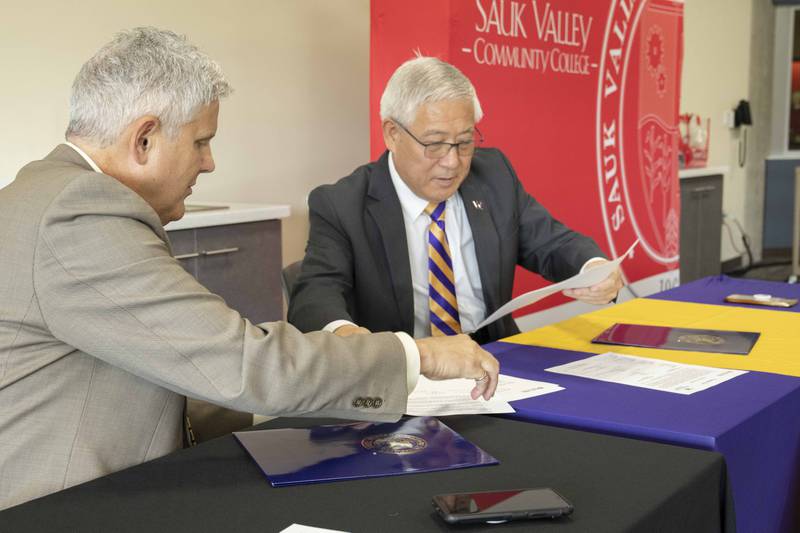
(478, 204)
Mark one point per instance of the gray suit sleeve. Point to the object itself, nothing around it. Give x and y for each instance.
(325, 285)
(107, 285)
(546, 246)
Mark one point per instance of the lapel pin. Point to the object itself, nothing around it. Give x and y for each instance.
(478, 204)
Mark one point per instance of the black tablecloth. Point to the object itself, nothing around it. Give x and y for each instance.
(615, 484)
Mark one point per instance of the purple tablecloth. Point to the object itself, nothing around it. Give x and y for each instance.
(751, 420)
(714, 289)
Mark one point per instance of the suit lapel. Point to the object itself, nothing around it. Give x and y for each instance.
(487, 242)
(384, 208)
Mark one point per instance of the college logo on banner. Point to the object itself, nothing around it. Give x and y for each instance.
(583, 99)
(637, 134)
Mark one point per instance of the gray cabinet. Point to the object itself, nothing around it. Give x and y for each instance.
(779, 205)
(242, 264)
(701, 226)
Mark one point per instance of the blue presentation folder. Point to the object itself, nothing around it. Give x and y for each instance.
(359, 450)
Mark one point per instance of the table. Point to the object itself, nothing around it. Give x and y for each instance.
(751, 419)
(615, 485)
(714, 289)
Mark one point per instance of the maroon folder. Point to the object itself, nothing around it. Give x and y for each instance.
(666, 338)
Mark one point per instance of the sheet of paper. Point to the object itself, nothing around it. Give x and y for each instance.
(648, 373)
(586, 279)
(511, 389)
(452, 396)
(300, 528)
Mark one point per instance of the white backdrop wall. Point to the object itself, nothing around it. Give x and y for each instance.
(716, 75)
(299, 116)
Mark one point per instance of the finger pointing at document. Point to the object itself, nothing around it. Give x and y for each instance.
(458, 356)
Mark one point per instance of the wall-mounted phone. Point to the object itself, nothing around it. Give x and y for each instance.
(742, 117)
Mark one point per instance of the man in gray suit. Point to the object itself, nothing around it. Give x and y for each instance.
(374, 260)
(103, 334)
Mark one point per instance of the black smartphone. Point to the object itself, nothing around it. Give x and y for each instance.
(501, 505)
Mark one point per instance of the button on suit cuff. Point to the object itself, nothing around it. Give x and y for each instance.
(412, 359)
(336, 324)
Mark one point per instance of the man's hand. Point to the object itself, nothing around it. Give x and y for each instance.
(458, 356)
(348, 329)
(600, 293)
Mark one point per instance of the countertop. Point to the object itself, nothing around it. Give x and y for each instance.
(204, 214)
(702, 171)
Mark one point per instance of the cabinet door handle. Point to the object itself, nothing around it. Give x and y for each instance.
(220, 251)
(187, 256)
(708, 188)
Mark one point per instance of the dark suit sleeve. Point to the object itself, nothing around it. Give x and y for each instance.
(546, 246)
(324, 288)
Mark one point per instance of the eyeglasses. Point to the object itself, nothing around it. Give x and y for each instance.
(438, 150)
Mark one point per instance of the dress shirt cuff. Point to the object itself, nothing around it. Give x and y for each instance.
(336, 324)
(412, 359)
(592, 260)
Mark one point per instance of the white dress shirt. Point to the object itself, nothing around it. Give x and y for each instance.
(84, 156)
(469, 292)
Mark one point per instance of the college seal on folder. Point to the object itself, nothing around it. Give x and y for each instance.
(397, 444)
(702, 340)
(666, 338)
(356, 450)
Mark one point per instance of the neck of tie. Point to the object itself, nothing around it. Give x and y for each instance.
(441, 281)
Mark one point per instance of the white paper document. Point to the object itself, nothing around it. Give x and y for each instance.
(511, 389)
(300, 528)
(586, 279)
(648, 373)
(452, 396)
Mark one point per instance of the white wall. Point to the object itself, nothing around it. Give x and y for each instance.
(716, 75)
(300, 70)
(762, 80)
(299, 116)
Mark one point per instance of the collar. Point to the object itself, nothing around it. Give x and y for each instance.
(413, 206)
(84, 156)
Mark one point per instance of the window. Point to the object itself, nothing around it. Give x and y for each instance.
(794, 92)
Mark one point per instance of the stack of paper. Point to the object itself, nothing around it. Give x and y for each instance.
(452, 396)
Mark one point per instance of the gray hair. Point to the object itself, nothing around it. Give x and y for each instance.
(143, 71)
(422, 80)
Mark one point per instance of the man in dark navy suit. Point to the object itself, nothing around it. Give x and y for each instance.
(426, 239)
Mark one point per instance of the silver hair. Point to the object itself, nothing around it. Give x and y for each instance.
(422, 80)
(142, 71)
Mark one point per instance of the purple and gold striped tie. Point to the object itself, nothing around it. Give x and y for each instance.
(441, 282)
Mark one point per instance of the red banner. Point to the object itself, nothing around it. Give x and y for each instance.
(581, 96)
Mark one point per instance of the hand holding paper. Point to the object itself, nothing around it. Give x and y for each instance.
(599, 293)
(592, 276)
